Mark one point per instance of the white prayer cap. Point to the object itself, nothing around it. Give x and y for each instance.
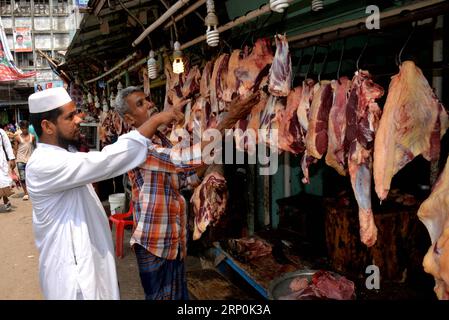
(48, 99)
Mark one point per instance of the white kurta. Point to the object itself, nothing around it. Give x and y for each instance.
(70, 225)
(5, 179)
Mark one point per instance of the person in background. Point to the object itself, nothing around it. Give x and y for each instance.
(159, 237)
(7, 163)
(33, 132)
(24, 144)
(71, 229)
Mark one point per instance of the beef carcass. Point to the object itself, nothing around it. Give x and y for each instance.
(335, 156)
(171, 80)
(291, 137)
(249, 127)
(412, 123)
(434, 213)
(362, 118)
(316, 125)
(191, 84)
(254, 67)
(218, 83)
(209, 200)
(232, 82)
(304, 104)
(316, 137)
(281, 69)
(205, 79)
(271, 119)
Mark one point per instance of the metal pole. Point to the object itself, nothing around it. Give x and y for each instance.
(437, 84)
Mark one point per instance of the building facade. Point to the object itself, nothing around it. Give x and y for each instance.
(32, 26)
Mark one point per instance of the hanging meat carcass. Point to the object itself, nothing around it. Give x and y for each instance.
(209, 200)
(205, 79)
(254, 67)
(247, 137)
(302, 112)
(412, 123)
(271, 119)
(434, 213)
(281, 69)
(218, 84)
(318, 118)
(232, 82)
(316, 137)
(362, 118)
(335, 156)
(291, 136)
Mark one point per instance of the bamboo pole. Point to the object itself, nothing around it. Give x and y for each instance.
(113, 69)
(178, 5)
(251, 15)
(188, 11)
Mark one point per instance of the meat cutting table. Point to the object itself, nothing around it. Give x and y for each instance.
(258, 273)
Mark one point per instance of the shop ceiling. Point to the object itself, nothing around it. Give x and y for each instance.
(110, 27)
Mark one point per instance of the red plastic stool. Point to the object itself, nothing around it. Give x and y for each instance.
(120, 221)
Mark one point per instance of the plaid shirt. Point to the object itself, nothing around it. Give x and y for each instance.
(160, 219)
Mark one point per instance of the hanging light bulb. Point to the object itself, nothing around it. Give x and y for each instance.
(97, 102)
(89, 98)
(119, 86)
(152, 67)
(317, 5)
(211, 21)
(178, 64)
(279, 5)
(112, 100)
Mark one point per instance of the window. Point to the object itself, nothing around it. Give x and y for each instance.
(41, 62)
(24, 59)
(22, 7)
(5, 7)
(42, 7)
(60, 7)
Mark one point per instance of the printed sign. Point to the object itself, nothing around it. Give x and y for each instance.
(22, 39)
(40, 86)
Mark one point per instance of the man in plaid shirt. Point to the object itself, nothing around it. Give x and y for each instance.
(159, 237)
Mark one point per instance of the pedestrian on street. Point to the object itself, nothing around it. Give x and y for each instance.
(24, 145)
(71, 228)
(7, 164)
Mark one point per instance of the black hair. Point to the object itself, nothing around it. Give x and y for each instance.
(23, 124)
(37, 118)
(19, 35)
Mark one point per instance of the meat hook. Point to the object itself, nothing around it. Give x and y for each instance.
(361, 54)
(298, 67)
(323, 66)
(311, 61)
(341, 59)
(399, 61)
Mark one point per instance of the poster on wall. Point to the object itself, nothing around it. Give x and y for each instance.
(8, 69)
(82, 3)
(22, 39)
(40, 86)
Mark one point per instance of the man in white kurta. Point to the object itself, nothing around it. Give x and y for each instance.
(70, 225)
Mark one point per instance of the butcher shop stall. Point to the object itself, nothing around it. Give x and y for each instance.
(332, 183)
